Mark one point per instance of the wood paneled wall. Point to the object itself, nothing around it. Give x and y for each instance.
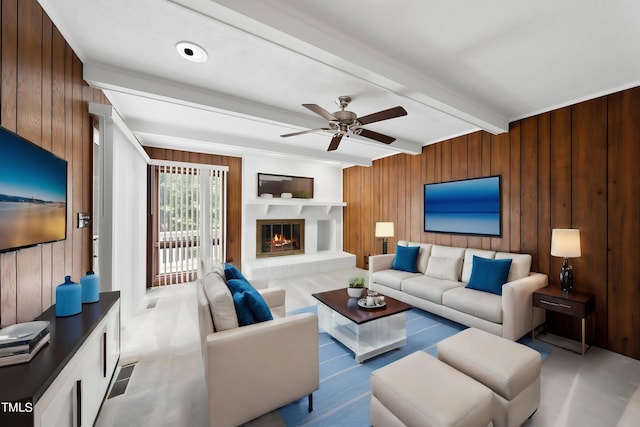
(44, 99)
(575, 167)
(234, 191)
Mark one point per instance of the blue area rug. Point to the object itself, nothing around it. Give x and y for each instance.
(345, 386)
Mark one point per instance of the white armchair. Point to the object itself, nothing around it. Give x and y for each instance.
(254, 369)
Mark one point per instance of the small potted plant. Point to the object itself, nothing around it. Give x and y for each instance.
(356, 287)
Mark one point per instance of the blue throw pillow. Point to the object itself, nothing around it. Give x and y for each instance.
(250, 306)
(231, 272)
(489, 275)
(406, 258)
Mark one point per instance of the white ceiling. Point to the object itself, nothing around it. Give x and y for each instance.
(455, 66)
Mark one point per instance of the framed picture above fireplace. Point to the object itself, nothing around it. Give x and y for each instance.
(284, 186)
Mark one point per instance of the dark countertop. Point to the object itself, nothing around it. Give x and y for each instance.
(26, 382)
(339, 301)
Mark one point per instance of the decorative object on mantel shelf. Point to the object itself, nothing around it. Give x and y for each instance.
(300, 194)
(565, 242)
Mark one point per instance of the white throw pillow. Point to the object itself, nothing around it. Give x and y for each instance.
(221, 304)
(444, 268)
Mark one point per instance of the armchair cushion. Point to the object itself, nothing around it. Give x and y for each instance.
(249, 304)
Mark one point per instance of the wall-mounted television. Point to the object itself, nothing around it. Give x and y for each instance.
(469, 206)
(33, 194)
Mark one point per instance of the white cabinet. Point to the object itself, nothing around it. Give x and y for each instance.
(66, 382)
(77, 393)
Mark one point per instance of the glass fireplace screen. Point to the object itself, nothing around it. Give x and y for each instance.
(280, 237)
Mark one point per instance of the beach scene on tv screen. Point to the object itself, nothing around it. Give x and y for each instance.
(33, 186)
(465, 207)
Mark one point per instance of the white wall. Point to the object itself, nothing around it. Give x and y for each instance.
(123, 229)
(327, 187)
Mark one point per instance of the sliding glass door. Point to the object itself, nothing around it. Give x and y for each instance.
(189, 224)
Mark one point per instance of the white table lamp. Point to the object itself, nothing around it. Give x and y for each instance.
(384, 230)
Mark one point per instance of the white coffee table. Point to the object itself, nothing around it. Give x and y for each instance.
(368, 332)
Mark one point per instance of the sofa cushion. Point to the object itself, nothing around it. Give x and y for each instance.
(391, 278)
(520, 265)
(423, 257)
(250, 306)
(447, 251)
(468, 260)
(428, 288)
(221, 303)
(444, 268)
(489, 275)
(406, 258)
(480, 304)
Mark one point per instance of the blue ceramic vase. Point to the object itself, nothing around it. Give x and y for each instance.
(90, 287)
(68, 298)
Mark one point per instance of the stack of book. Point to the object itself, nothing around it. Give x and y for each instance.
(20, 342)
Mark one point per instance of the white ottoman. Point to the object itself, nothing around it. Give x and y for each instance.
(419, 390)
(510, 369)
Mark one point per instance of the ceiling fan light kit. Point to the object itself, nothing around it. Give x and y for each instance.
(345, 121)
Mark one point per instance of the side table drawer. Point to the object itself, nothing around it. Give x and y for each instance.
(559, 305)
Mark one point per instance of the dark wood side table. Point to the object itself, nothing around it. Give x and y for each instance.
(575, 304)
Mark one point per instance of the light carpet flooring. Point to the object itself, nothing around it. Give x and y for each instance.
(167, 385)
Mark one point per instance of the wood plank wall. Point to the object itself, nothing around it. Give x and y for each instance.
(44, 99)
(572, 167)
(234, 191)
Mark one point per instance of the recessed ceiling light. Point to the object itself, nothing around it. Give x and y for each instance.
(191, 51)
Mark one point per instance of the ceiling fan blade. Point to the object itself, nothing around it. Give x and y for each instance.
(391, 113)
(320, 111)
(385, 139)
(335, 141)
(303, 132)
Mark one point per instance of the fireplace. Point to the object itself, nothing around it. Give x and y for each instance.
(278, 237)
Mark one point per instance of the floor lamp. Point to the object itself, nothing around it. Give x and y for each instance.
(384, 230)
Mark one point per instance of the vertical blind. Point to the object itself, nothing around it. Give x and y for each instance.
(190, 217)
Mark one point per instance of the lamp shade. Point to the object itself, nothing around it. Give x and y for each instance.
(565, 242)
(384, 229)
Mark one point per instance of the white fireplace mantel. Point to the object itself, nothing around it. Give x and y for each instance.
(297, 205)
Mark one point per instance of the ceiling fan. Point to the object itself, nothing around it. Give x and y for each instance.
(347, 121)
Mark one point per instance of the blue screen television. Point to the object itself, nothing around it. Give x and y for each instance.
(33, 194)
(469, 206)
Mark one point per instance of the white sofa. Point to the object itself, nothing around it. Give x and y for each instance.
(509, 315)
(254, 369)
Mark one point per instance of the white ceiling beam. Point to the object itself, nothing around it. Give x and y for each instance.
(125, 81)
(234, 142)
(351, 56)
